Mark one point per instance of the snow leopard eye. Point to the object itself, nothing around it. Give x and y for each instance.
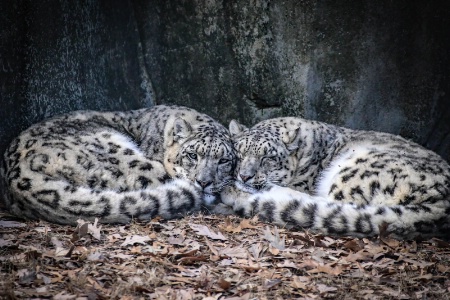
(224, 161)
(269, 160)
(192, 156)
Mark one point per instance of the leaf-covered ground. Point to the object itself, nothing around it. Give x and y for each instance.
(212, 257)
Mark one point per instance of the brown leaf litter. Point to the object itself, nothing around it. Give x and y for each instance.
(213, 257)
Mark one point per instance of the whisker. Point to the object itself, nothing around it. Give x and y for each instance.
(223, 184)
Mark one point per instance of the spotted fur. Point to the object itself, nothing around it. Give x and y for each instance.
(116, 166)
(333, 180)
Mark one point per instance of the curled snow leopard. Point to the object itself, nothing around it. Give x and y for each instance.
(338, 181)
(165, 160)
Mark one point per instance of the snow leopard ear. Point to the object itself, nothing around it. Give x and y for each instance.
(291, 137)
(180, 131)
(236, 128)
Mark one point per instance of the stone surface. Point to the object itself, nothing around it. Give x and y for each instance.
(59, 56)
(380, 65)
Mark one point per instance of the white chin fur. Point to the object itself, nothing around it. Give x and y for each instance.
(209, 199)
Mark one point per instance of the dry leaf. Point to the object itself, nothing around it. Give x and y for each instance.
(42, 229)
(136, 250)
(301, 282)
(61, 251)
(96, 256)
(441, 244)
(11, 224)
(425, 277)
(176, 240)
(328, 269)
(26, 276)
(113, 237)
(228, 227)
(226, 262)
(413, 248)
(211, 247)
(83, 228)
(94, 230)
(237, 252)
(274, 239)
(246, 296)
(135, 239)
(420, 264)
(246, 224)
(188, 260)
(390, 242)
(42, 290)
(55, 242)
(256, 250)
(384, 236)
(273, 250)
(184, 254)
(63, 296)
(325, 289)
(5, 243)
(224, 285)
(443, 269)
(270, 283)
(287, 264)
(203, 230)
(359, 256)
(44, 278)
(121, 256)
(353, 245)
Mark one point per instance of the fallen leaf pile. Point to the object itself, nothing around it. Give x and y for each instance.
(213, 257)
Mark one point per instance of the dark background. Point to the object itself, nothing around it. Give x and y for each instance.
(380, 65)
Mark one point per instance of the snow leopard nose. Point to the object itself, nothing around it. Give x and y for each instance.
(203, 184)
(245, 178)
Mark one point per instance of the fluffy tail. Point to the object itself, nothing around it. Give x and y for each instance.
(298, 210)
(59, 202)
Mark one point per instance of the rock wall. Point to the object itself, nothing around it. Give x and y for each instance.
(380, 65)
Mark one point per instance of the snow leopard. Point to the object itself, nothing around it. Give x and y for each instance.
(332, 180)
(163, 161)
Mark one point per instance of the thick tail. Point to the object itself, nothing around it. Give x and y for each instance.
(298, 210)
(59, 202)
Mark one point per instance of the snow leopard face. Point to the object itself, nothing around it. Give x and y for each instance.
(264, 156)
(203, 154)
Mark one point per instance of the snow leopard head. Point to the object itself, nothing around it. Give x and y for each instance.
(200, 152)
(264, 153)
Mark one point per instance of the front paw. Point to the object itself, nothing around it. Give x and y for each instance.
(230, 195)
(220, 209)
